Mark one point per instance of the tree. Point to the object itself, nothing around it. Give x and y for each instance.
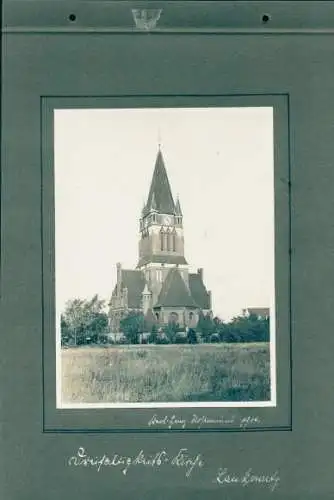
(245, 329)
(171, 330)
(205, 326)
(154, 335)
(132, 325)
(65, 331)
(84, 319)
(150, 321)
(191, 336)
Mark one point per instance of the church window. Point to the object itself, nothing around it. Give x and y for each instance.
(174, 242)
(173, 317)
(170, 242)
(165, 241)
(162, 240)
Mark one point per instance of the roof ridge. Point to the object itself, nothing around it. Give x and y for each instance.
(183, 292)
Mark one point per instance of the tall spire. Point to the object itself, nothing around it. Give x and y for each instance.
(160, 195)
(178, 210)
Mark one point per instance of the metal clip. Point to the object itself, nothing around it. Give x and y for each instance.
(146, 19)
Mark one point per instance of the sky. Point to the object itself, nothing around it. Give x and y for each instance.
(220, 163)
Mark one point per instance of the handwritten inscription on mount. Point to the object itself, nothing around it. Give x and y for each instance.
(183, 459)
(202, 421)
(190, 463)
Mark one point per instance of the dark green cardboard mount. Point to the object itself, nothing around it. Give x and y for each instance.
(91, 54)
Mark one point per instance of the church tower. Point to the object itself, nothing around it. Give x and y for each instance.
(161, 287)
(161, 244)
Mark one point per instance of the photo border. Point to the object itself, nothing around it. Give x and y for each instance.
(80, 420)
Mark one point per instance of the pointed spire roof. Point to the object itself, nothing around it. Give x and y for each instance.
(178, 210)
(160, 195)
(174, 292)
(146, 291)
(143, 211)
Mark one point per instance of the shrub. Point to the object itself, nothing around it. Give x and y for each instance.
(162, 340)
(152, 339)
(180, 338)
(192, 336)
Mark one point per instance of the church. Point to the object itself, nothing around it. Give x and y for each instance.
(161, 287)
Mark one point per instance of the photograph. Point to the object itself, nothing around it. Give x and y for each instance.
(165, 257)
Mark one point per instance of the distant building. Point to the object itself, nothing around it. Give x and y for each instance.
(161, 286)
(260, 312)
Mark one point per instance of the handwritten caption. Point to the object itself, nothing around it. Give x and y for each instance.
(183, 459)
(199, 421)
(227, 478)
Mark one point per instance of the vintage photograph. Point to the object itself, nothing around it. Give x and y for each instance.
(164, 257)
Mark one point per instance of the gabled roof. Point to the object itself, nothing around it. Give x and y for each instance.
(198, 291)
(160, 195)
(174, 292)
(162, 259)
(135, 282)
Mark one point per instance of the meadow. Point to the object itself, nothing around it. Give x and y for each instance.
(168, 373)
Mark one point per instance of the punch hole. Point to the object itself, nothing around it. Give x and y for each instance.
(72, 18)
(265, 18)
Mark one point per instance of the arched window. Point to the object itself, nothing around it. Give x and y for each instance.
(170, 241)
(162, 239)
(174, 240)
(173, 317)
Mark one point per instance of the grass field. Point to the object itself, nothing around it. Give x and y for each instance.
(169, 373)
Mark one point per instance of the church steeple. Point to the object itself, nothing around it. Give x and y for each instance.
(160, 195)
(161, 229)
(178, 210)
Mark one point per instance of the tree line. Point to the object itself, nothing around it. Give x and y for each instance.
(86, 322)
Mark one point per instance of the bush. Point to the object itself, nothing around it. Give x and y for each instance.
(152, 339)
(192, 336)
(122, 340)
(180, 338)
(162, 340)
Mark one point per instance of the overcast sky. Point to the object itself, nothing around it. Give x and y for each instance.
(219, 161)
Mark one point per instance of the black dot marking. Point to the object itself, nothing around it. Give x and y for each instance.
(265, 18)
(72, 17)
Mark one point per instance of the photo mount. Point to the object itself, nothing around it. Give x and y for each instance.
(232, 419)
